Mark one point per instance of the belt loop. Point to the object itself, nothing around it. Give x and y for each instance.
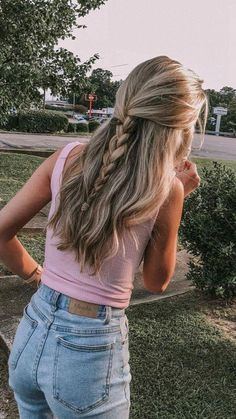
(108, 315)
(54, 298)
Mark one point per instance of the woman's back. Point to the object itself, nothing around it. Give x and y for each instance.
(61, 271)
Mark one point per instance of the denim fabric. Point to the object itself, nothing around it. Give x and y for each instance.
(68, 366)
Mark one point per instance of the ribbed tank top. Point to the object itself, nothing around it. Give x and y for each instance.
(61, 271)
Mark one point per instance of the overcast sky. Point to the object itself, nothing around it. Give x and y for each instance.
(201, 34)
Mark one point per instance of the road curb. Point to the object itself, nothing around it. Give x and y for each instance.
(154, 298)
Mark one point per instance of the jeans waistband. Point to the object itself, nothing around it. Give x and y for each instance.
(64, 302)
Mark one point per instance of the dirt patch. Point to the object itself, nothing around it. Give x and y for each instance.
(218, 313)
(227, 327)
(224, 318)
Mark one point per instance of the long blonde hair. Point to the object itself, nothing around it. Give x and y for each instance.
(125, 172)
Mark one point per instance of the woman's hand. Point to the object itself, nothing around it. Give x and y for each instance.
(188, 175)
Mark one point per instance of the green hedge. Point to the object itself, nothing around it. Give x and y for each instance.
(82, 127)
(93, 125)
(72, 127)
(75, 127)
(208, 229)
(12, 123)
(42, 121)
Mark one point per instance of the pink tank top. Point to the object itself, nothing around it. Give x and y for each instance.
(114, 285)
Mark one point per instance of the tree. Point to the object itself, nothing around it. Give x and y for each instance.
(62, 72)
(29, 57)
(100, 82)
(228, 94)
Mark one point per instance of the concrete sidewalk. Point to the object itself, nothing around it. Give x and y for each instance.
(37, 141)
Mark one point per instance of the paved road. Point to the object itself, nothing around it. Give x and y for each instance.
(213, 147)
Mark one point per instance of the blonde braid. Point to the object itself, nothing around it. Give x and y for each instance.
(117, 148)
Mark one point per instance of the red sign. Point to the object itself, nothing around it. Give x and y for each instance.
(90, 98)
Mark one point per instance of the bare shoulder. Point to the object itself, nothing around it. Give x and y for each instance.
(50, 162)
(170, 212)
(177, 190)
(74, 153)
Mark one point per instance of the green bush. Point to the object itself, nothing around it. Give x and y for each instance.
(76, 127)
(42, 121)
(12, 123)
(93, 125)
(208, 232)
(72, 127)
(82, 127)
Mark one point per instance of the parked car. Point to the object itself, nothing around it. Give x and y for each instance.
(99, 119)
(80, 119)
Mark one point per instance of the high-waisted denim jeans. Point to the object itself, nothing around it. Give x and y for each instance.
(68, 366)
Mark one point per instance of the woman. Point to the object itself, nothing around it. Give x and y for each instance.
(116, 201)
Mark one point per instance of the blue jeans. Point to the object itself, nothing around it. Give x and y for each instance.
(68, 366)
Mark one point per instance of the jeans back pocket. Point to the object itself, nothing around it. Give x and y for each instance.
(82, 374)
(24, 332)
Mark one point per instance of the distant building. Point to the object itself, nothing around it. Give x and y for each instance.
(102, 112)
(59, 103)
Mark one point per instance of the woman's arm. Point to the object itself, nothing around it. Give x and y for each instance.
(28, 201)
(160, 253)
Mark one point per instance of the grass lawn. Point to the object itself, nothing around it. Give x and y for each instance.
(15, 169)
(202, 162)
(182, 365)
